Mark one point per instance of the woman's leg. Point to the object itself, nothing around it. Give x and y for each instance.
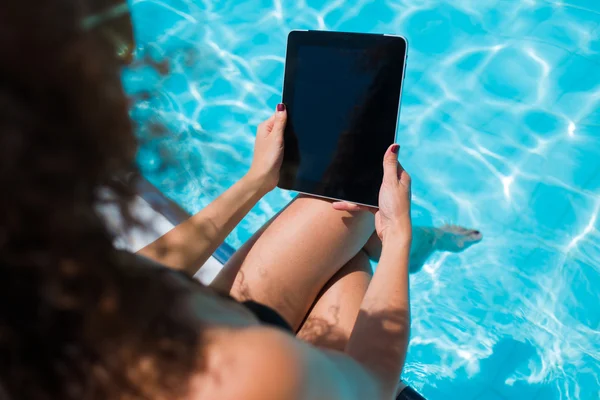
(286, 264)
(331, 319)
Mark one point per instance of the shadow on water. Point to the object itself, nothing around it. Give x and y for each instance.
(494, 380)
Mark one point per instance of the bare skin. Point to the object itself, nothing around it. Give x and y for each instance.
(331, 319)
(427, 240)
(286, 265)
(324, 318)
(310, 263)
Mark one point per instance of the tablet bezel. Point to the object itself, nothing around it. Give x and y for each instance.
(297, 38)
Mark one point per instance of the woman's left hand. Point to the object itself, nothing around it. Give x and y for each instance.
(268, 150)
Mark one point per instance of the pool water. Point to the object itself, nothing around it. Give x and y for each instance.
(500, 129)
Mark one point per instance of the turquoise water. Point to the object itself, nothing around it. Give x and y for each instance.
(500, 130)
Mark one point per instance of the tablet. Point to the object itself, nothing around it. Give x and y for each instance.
(342, 92)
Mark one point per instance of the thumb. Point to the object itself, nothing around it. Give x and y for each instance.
(390, 164)
(280, 119)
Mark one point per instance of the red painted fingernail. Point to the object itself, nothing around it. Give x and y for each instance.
(280, 107)
(395, 148)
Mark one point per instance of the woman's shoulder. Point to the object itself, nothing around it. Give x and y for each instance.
(253, 362)
(261, 362)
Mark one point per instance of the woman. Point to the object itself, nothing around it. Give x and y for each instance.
(79, 319)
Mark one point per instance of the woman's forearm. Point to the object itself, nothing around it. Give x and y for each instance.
(380, 337)
(191, 243)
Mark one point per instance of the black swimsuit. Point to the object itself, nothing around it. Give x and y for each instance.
(264, 314)
(267, 315)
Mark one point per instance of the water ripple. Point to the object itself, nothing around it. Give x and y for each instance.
(499, 128)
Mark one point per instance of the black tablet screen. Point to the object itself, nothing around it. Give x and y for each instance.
(342, 97)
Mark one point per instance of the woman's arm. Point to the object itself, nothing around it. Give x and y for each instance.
(187, 246)
(380, 337)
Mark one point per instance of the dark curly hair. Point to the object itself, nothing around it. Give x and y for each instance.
(77, 318)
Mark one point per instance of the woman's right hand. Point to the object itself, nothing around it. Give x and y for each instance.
(392, 219)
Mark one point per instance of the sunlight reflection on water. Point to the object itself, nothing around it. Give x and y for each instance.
(499, 129)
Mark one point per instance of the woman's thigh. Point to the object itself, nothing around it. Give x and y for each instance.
(331, 319)
(286, 264)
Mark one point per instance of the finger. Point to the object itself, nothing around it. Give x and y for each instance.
(280, 119)
(344, 206)
(390, 164)
(351, 207)
(268, 124)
